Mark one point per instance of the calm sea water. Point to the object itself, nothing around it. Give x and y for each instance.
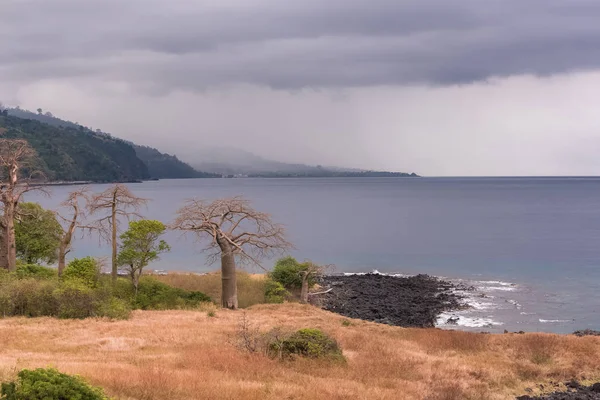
(531, 247)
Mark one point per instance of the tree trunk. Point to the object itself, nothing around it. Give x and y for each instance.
(62, 257)
(304, 289)
(229, 297)
(9, 212)
(136, 284)
(3, 248)
(114, 241)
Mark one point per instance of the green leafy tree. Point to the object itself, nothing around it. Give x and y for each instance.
(37, 234)
(85, 270)
(141, 245)
(289, 272)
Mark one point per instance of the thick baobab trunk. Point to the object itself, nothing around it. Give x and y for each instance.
(229, 297)
(11, 244)
(304, 289)
(114, 239)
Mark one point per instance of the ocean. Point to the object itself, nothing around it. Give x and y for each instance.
(530, 247)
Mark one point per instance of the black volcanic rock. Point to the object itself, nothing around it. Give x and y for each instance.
(414, 301)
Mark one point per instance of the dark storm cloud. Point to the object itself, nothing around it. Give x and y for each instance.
(160, 45)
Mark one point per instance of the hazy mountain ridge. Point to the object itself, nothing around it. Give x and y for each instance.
(213, 162)
(230, 161)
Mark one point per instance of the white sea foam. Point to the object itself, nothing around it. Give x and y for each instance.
(501, 283)
(501, 288)
(466, 321)
(514, 303)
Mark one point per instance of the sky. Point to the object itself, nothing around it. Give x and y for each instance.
(436, 87)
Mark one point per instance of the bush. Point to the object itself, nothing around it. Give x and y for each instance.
(77, 300)
(251, 288)
(275, 292)
(287, 272)
(49, 384)
(28, 297)
(156, 295)
(115, 308)
(308, 342)
(85, 270)
(35, 271)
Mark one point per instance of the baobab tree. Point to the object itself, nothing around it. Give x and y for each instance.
(235, 230)
(16, 172)
(117, 202)
(71, 220)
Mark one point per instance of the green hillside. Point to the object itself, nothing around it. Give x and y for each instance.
(76, 154)
(159, 165)
(165, 166)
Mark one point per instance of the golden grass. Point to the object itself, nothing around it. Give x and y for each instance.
(251, 287)
(189, 355)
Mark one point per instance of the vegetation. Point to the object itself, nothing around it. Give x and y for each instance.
(288, 271)
(156, 355)
(236, 231)
(83, 270)
(49, 384)
(159, 165)
(307, 342)
(140, 245)
(251, 288)
(37, 234)
(76, 154)
(114, 204)
(166, 166)
(155, 295)
(35, 271)
(275, 292)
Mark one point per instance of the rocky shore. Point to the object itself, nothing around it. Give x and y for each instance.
(414, 301)
(575, 391)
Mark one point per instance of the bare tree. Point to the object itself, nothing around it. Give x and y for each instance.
(235, 230)
(16, 172)
(117, 202)
(71, 220)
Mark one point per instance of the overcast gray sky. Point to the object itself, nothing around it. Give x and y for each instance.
(439, 87)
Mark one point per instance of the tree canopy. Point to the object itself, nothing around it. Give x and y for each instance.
(37, 234)
(141, 245)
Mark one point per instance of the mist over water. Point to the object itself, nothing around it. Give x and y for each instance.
(530, 246)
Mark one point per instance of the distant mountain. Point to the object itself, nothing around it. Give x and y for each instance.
(166, 166)
(76, 154)
(234, 162)
(158, 165)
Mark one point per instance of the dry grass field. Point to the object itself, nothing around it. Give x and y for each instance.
(190, 355)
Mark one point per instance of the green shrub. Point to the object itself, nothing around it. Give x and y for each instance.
(114, 308)
(35, 271)
(49, 384)
(312, 343)
(85, 270)
(28, 297)
(275, 292)
(156, 295)
(77, 300)
(287, 272)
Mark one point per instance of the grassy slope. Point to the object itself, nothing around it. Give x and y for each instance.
(189, 355)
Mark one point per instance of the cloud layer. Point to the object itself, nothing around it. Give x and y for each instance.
(162, 45)
(468, 87)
